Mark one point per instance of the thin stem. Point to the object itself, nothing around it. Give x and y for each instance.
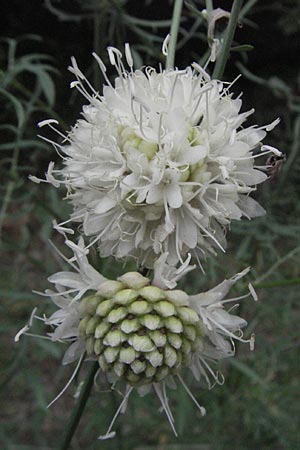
(278, 263)
(174, 33)
(209, 6)
(79, 407)
(224, 54)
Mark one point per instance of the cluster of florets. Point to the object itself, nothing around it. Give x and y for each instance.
(140, 331)
(156, 169)
(160, 163)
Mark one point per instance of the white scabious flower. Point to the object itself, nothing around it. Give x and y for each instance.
(141, 332)
(160, 163)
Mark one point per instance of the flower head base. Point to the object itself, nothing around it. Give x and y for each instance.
(159, 163)
(139, 333)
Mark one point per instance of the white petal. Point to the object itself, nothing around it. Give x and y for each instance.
(104, 205)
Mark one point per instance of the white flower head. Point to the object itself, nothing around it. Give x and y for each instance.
(141, 334)
(160, 163)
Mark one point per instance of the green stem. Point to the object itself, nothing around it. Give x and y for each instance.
(224, 54)
(174, 33)
(79, 407)
(209, 6)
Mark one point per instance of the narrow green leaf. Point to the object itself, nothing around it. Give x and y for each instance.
(17, 106)
(242, 48)
(246, 370)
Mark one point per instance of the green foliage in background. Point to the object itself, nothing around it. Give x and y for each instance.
(258, 407)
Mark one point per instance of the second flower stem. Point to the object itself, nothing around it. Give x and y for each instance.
(174, 33)
(79, 407)
(224, 54)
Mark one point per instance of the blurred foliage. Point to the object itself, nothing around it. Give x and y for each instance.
(258, 407)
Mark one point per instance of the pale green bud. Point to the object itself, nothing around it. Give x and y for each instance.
(114, 338)
(155, 358)
(119, 369)
(170, 357)
(126, 296)
(138, 366)
(152, 293)
(98, 346)
(148, 148)
(117, 314)
(82, 325)
(173, 324)
(135, 142)
(190, 332)
(89, 304)
(197, 345)
(164, 308)
(139, 307)
(102, 363)
(179, 360)
(174, 339)
(150, 321)
(187, 315)
(109, 288)
(111, 354)
(104, 308)
(89, 345)
(158, 337)
(186, 347)
(126, 134)
(92, 324)
(127, 355)
(102, 329)
(161, 373)
(177, 297)
(185, 174)
(141, 343)
(133, 378)
(150, 371)
(134, 280)
(130, 325)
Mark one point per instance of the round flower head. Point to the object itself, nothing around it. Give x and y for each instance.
(161, 162)
(141, 332)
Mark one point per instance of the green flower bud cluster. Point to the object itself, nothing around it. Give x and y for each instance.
(129, 139)
(139, 332)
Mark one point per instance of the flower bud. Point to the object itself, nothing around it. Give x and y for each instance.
(140, 333)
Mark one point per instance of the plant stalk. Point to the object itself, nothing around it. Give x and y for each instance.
(79, 407)
(209, 6)
(174, 33)
(224, 54)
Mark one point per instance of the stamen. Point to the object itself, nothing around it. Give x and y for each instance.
(102, 68)
(200, 69)
(201, 409)
(274, 150)
(69, 382)
(128, 55)
(165, 45)
(109, 434)
(158, 391)
(26, 327)
(252, 292)
(272, 124)
(43, 123)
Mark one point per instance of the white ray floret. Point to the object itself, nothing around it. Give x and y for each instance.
(161, 162)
